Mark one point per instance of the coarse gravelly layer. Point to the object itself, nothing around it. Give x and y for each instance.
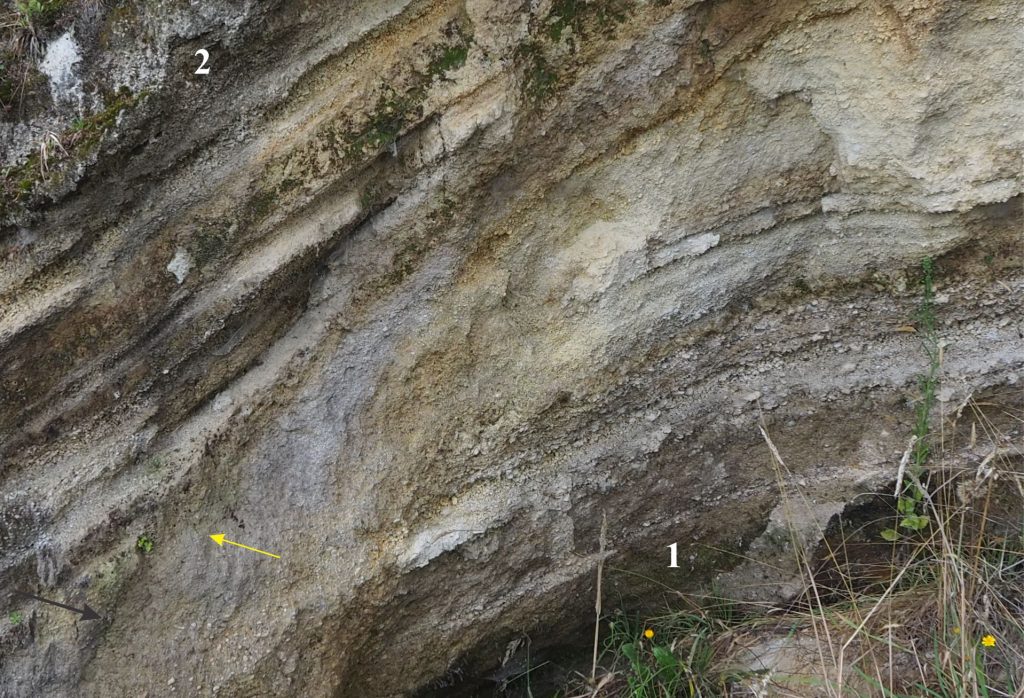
(453, 279)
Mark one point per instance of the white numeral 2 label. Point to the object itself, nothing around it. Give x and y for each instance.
(202, 69)
(673, 558)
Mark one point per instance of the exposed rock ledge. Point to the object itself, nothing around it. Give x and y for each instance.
(410, 292)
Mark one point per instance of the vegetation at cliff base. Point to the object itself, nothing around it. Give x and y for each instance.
(935, 609)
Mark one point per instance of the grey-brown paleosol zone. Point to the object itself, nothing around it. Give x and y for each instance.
(412, 293)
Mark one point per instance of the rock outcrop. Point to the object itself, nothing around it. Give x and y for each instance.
(410, 293)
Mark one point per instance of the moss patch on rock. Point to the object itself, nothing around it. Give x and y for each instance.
(49, 161)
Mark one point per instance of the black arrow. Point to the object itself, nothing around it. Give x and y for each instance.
(87, 613)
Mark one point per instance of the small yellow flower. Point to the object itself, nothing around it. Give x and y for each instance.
(988, 641)
(650, 633)
(956, 630)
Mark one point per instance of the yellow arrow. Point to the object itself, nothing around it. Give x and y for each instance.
(220, 540)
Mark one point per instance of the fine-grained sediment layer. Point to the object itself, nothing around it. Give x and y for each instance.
(411, 292)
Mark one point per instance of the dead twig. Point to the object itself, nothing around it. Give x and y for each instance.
(597, 604)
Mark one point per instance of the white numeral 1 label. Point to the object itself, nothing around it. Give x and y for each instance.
(202, 69)
(673, 558)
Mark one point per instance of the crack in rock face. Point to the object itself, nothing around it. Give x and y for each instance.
(412, 293)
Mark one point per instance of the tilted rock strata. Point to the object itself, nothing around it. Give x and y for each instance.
(411, 292)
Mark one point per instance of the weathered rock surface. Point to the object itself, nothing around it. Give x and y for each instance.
(411, 292)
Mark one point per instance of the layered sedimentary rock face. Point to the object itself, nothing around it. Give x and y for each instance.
(410, 293)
